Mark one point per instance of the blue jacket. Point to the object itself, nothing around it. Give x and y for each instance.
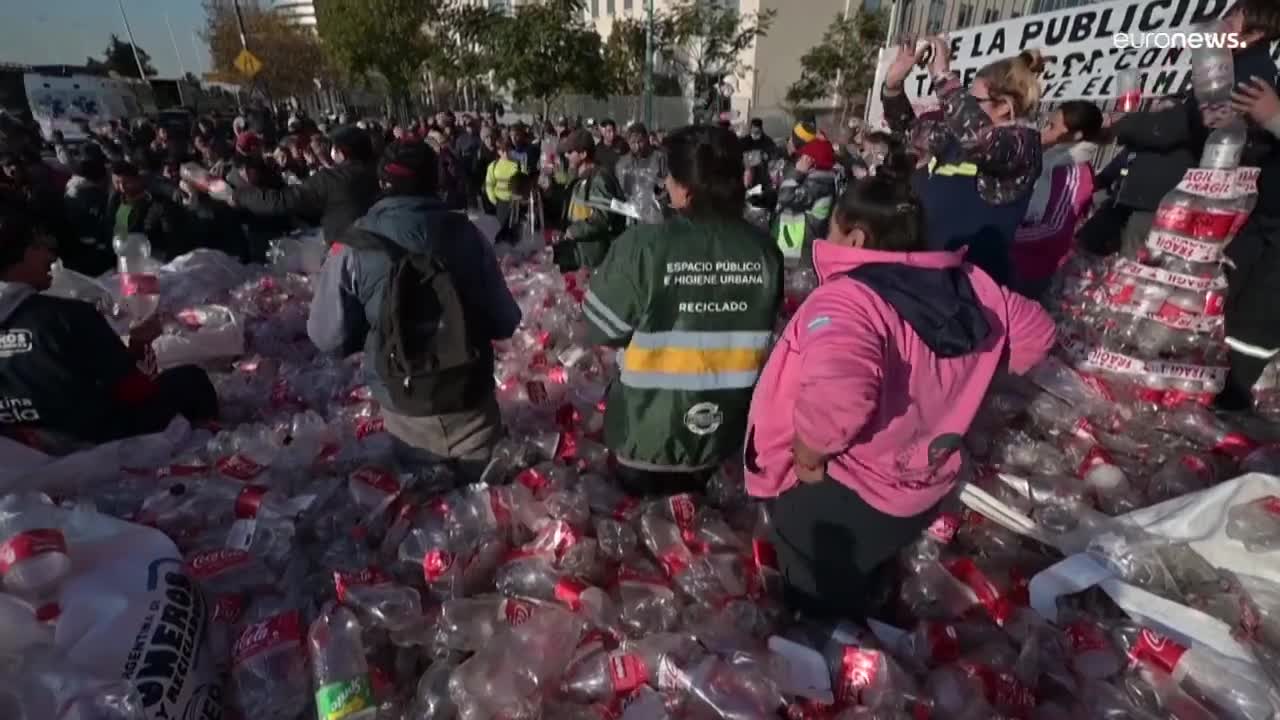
(347, 304)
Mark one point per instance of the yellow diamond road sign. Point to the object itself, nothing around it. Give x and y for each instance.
(248, 63)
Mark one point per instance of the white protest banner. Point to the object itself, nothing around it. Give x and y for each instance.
(1080, 47)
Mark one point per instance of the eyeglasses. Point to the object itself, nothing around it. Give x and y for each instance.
(982, 99)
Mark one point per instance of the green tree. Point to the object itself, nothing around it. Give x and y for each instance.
(843, 64)
(291, 56)
(118, 58)
(463, 47)
(548, 51)
(379, 36)
(711, 38)
(624, 55)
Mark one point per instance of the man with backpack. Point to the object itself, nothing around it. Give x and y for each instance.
(419, 289)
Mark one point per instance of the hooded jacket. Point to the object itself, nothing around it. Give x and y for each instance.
(884, 371)
(63, 369)
(348, 296)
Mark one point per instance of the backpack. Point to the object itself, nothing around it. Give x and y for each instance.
(429, 355)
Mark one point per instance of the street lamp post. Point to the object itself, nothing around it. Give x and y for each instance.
(648, 68)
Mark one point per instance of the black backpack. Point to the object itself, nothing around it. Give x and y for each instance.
(431, 357)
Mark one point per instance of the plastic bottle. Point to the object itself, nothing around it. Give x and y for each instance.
(1212, 71)
(343, 689)
(608, 675)
(1256, 524)
(139, 285)
(1199, 425)
(1224, 147)
(1232, 688)
(34, 561)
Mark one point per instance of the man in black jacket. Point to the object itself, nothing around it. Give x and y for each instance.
(333, 197)
(66, 378)
(133, 209)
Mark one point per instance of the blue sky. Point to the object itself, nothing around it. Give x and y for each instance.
(67, 31)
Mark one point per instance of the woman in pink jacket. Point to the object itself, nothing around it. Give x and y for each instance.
(856, 427)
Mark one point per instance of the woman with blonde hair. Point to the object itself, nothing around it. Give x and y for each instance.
(985, 150)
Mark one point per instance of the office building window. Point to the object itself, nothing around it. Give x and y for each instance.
(871, 5)
(626, 4)
(990, 15)
(610, 8)
(595, 8)
(937, 13)
(965, 17)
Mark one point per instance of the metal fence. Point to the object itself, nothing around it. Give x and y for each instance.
(668, 112)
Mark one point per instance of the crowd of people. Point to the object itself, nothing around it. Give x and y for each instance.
(931, 242)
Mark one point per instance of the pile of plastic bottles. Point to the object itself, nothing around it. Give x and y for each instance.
(1150, 321)
(344, 584)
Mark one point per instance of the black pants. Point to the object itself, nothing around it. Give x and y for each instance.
(1251, 319)
(832, 547)
(645, 483)
(184, 390)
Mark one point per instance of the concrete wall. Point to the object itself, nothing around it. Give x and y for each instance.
(775, 63)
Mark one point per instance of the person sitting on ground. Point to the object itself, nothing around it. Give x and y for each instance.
(66, 378)
(856, 428)
(1061, 197)
(333, 197)
(348, 313)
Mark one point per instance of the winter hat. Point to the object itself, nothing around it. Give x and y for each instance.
(803, 133)
(249, 143)
(408, 168)
(822, 154)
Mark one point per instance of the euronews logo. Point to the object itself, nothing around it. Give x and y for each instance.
(1189, 40)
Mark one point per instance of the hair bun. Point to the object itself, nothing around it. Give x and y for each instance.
(898, 166)
(1034, 59)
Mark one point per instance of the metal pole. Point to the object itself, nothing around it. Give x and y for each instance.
(648, 70)
(182, 67)
(244, 39)
(133, 45)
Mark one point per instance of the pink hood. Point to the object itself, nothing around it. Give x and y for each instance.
(854, 380)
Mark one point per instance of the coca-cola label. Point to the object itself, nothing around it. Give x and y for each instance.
(1210, 183)
(436, 564)
(537, 391)
(515, 612)
(369, 425)
(1002, 690)
(249, 500)
(1093, 458)
(1269, 504)
(943, 529)
(944, 642)
(989, 596)
(765, 555)
(627, 672)
(533, 479)
(1084, 636)
(380, 479)
(568, 592)
(239, 467)
(29, 544)
(211, 563)
(858, 670)
(228, 609)
(192, 319)
(283, 631)
(1196, 251)
(367, 577)
(500, 506)
(133, 284)
(1157, 650)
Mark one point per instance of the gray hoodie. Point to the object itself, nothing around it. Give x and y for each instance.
(348, 296)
